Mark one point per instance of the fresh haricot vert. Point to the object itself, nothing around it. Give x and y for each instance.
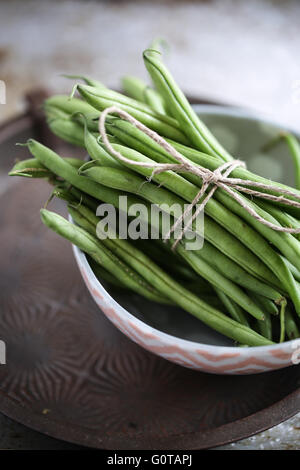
(63, 169)
(32, 168)
(133, 87)
(265, 327)
(282, 321)
(180, 108)
(294, 149)
(140, 91)
(291, 326)
(159, 280)
(266, 304)
(101, 99)
(285, 219)
(235, 311)
(96, 150)
(68, 130)
(63, 106)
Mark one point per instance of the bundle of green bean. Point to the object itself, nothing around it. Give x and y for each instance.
(244, 282)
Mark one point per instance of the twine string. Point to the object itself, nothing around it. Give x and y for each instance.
(218, 178)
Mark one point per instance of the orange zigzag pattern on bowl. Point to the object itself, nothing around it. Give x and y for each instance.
(142, 338)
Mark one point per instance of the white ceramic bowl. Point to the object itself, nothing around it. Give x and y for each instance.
(172, 333)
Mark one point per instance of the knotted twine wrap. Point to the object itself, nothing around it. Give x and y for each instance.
(218, 178)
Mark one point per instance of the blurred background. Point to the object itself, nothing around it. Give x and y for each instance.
(233, 51)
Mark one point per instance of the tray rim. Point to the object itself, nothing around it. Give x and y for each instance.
(227, 433)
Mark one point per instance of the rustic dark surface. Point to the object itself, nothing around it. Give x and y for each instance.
(72, 375)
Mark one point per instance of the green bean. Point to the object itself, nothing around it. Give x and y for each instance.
(133, 87)
(154, 100)
(291, 327)
(295, 272)
(210, 214)
(266, 304)
(286, 220)
(282, 322)
(60, 167)
(76, 198)
(294, 148)
(138, 140)
(101, 99)
(97, 152)
(63, 106)
(233, 308)
(68, 130)
(265, 327)
(140, 91)
(32, 168)
(136, 282)
(180, 108)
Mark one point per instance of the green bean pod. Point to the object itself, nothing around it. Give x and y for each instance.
(137, 89)
(63, 106)
(291, 326)
(32, 168)
(68, 130)
(180, 108)
(235, 311)
(101, 99)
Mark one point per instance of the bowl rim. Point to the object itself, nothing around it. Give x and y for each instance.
(81, 258)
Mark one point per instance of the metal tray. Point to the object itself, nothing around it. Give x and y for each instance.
(72, 375)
